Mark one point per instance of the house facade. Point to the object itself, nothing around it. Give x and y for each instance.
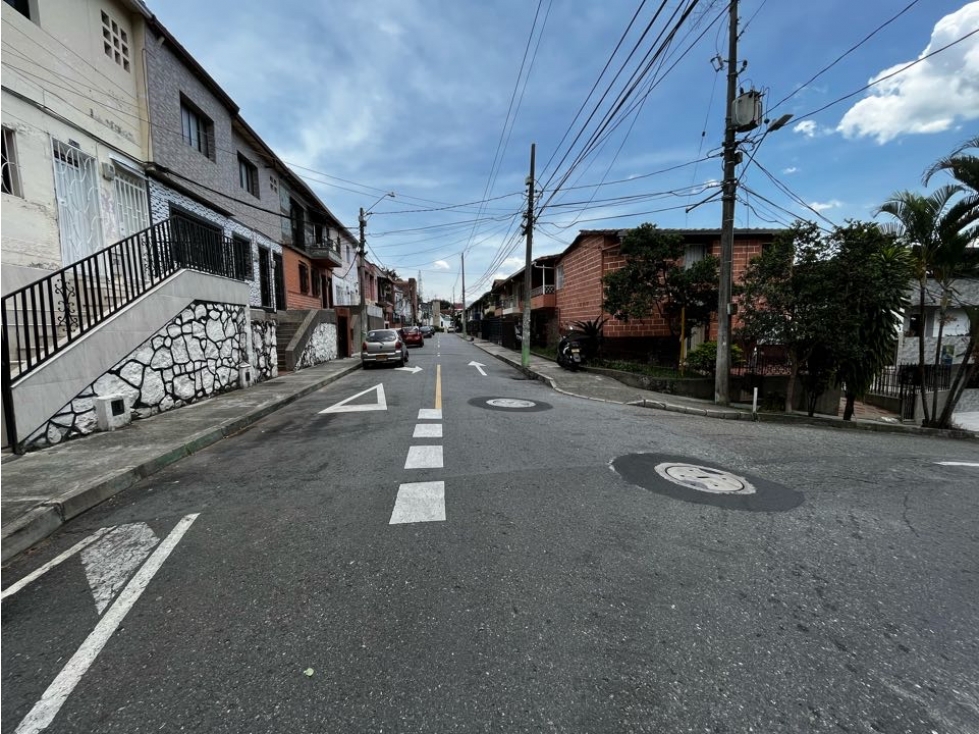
(74, 132)
(955, 332)
(579, 288)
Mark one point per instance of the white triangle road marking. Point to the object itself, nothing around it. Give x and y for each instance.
(109, 562)
(342, 406)
(77, 548)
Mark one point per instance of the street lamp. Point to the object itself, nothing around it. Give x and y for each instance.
(362, 269)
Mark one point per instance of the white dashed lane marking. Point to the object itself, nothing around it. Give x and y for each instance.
(428, 430)
(424, 457)
(430, 414)
(419, 502)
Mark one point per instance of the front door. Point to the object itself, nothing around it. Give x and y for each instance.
(343, 343)
(280, 283)
(77, 189)
(265, 277)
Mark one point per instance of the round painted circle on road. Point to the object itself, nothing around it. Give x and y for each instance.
(704, 483)
(510, 405)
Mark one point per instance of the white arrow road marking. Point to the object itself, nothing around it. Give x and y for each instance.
(408, 369)
(957, 463)
(342, 406)
(109, 562)
(478, 366)
(430, 414)
(428, 430)
(424, 457)
(77, 548)
(40, 717)
(419, 502)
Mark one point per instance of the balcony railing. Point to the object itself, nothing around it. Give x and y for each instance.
(543, 290)
(44, 317)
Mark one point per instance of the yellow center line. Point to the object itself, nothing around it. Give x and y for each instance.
(438, 387)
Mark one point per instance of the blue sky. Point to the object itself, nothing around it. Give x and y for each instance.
(413, 97)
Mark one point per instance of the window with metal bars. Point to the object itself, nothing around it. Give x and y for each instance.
(11, 171)
(303, 278)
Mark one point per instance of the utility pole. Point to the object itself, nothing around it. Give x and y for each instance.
(525, 339)
(363, 275)
(465, 322)
(722, 376)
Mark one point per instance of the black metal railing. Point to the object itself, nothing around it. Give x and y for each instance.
(893, 381)
(44, 317)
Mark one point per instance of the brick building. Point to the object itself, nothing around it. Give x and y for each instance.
(594, 253)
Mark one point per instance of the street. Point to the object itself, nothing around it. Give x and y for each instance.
(461, 549)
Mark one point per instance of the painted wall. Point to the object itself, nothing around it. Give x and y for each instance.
(194, 356)
(56, 61)
(296, 298)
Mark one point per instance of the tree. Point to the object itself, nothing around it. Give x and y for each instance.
(788, 299)
(937, 231)
(872, 272)
(654, 280)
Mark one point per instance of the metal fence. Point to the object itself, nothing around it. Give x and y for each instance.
(44, 317)
(893, 381)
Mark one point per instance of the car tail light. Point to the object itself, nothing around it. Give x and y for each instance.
(363, 347)
(397, 344)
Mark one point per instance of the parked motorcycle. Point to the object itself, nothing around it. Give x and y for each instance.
(571, 351)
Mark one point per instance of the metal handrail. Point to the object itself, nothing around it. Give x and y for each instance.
(42, 318)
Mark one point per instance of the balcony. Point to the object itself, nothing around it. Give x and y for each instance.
(510, 305)
(325, 251)
(544, 296)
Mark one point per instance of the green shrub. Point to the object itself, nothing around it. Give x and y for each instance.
(703, 358)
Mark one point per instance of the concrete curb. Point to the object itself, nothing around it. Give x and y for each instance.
(814, 421)
(40, 522)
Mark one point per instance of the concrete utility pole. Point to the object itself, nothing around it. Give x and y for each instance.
(363, 275)
(525, 340)
(722, 376)
(363, 264)
(465, 323)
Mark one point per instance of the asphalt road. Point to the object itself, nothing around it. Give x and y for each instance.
(830, 585)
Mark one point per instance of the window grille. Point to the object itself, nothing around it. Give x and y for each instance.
(11, 170)
(132, 211)
(77, 191)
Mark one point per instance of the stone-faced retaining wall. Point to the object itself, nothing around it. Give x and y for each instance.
(322, 346)
(194, 356)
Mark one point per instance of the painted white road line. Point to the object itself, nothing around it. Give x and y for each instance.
(412, 370)
(478, 366)
(109, 562)
(430, 414)
(424, 457)
(342, 406)
(419, 502)
(40, 717)
(957, 463)
(428, 430)
(78, 547)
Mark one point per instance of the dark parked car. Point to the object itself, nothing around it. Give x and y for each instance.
(384, 345)
(414, 336)
(427, 331)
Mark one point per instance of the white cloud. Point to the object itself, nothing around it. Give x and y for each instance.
(441, 265)
(512, 263)
(806, 127)
(790, 169)
(930, 96)
(821, 206)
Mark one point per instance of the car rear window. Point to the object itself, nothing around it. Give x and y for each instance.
(381, 336)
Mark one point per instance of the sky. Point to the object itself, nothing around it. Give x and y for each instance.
(439, 102)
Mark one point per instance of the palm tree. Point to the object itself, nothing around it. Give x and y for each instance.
(964, 168)
(929, 223)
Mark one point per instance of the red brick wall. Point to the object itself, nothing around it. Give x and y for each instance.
(581, 295)
(295, 298)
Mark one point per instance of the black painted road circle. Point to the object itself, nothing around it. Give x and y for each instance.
(509, 405)
(703, 483)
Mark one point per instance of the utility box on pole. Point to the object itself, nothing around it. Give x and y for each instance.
(746, 113)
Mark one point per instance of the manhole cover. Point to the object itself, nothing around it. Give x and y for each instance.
(705, 484)
(511, 405)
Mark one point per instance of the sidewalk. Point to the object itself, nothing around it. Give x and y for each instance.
(593, 386)
(44, 489)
